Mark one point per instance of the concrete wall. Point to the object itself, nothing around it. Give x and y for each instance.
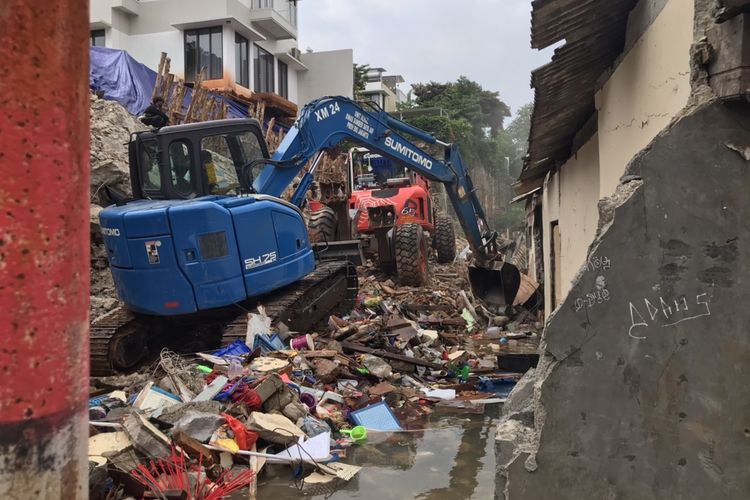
(642, 390)
(647, 89)
(330, 73)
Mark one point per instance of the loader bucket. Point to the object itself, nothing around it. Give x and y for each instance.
(495, 288)
(350, 250)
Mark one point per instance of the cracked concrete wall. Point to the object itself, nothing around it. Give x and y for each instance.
(646, 90)
(641, 391)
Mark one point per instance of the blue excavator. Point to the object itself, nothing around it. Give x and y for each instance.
(207, 234)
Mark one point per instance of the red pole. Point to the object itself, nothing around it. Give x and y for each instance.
(44, 249)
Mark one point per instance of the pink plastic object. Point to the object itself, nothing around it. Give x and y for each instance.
(302, 343)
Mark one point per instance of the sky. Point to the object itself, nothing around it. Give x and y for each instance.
(431, 40)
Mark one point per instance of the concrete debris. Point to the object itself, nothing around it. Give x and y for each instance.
(198, 425)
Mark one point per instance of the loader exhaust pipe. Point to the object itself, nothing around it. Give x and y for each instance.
(496, 288)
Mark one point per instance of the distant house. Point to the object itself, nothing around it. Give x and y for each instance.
(245, 45)
(383, 89)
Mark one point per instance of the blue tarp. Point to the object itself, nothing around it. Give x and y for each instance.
(123, 79)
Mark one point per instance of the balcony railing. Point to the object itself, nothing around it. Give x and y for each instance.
(277, 18)
(286, 8)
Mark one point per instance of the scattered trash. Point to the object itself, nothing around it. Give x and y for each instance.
(153, 398)
(446, 394)
(280, 397)
(358, 433)
(212, 389)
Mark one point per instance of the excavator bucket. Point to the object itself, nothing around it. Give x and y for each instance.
(495, 288)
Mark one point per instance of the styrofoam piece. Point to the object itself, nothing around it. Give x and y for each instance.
(212, 389)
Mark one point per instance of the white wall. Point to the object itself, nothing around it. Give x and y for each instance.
(550, 214)
(647, 89)
(329, 73)
(579, 213)
(293, 87)
(147, 49)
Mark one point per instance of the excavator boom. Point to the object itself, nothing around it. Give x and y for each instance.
(326, 122)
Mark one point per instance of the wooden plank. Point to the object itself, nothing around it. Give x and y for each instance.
(429, 307)
(348, 346)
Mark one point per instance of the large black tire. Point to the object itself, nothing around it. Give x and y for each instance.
(444, 239)
(322, 225)
(410, 248)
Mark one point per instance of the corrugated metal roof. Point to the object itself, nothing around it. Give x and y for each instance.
(594, 32)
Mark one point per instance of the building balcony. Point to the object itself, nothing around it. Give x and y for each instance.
(293, 58)
(193, 14)
(100, 12)
(276, 18)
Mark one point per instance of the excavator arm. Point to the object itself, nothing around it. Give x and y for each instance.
(326, 122)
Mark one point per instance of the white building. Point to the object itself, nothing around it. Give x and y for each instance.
(246, 45)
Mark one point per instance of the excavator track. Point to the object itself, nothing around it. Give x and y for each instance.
(116, 342)
(121, 340)
(301, 305)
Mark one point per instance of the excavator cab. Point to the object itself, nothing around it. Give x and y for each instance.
(194, 238)
(194, 160)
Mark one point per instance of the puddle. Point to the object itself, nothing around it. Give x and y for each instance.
(453, 458)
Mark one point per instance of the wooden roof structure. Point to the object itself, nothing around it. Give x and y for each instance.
(594, 35)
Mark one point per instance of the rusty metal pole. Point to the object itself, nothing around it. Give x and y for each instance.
(44, 267)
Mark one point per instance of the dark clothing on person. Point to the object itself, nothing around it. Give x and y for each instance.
(154, 117)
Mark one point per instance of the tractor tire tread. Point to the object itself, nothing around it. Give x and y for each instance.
(407, 246)
(444, 240)
(322, 225)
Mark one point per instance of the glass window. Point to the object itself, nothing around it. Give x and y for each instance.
(191, 58)
(217, 70)
(370, 170)
(263, 63)
(293, 13)
(149, 164)
(97, 38)
(203, 49)
(242, 60)
(283, 80)
(222, 159)
(179, 165)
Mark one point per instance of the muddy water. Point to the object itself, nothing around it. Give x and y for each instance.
(453, 458)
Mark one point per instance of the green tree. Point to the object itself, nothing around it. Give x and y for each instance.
(518, 133)
(473, 118)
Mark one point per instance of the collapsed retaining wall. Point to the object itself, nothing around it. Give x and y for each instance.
(642, 389)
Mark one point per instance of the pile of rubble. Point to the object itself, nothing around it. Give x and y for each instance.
(111, 126)
(214, 420)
